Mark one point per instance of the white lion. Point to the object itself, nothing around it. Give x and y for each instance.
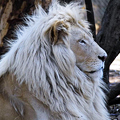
(53, 71)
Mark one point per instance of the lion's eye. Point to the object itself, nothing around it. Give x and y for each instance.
(81, 41)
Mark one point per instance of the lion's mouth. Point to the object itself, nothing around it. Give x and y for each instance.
(94, 71)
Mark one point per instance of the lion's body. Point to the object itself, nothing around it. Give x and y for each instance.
(42, 76)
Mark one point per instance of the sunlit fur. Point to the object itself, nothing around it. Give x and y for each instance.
(39, 75)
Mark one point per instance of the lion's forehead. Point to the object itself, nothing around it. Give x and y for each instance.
(79, 32)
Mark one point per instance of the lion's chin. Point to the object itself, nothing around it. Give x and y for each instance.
(94, 71)
(95, 74)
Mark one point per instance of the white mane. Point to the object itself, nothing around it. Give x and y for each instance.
(50, 71)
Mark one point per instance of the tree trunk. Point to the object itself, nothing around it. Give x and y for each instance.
(114, 92)
(12, 13)
(109, 39)
(109, 35)
(90, 17)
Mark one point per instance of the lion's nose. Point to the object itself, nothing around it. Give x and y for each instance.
(103, 58)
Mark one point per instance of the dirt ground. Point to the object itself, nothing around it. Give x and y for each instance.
(115, 78)
(115, 70)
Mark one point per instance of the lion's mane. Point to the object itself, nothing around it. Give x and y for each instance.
(50, 70)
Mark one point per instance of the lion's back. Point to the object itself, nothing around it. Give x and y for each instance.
(14, 100)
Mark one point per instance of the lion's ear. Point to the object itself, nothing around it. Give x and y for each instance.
(58, 32)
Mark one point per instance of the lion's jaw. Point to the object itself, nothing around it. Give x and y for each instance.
(90, 57)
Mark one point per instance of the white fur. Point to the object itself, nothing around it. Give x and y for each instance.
(50, 71)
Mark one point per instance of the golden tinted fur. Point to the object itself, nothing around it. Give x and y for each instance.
(52, 71)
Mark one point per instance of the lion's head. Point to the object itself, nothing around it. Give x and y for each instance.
(72, 40)
(90, 57)
(79, 47)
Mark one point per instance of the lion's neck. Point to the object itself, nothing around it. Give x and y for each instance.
(72, 94)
